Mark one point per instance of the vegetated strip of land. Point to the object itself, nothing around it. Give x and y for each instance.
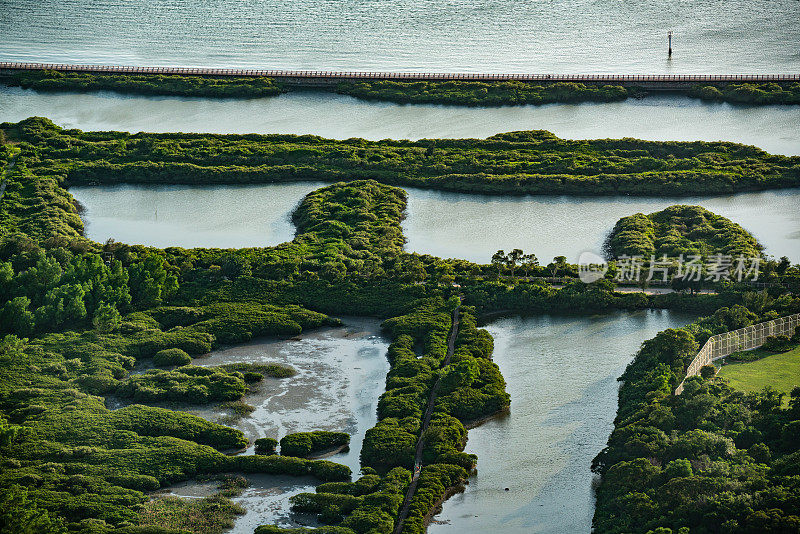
(449, 92)
(78, 315)
(532, 162)
(713, 459)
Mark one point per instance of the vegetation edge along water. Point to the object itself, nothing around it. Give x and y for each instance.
(458, 93)
(78, 315)
(515, 163)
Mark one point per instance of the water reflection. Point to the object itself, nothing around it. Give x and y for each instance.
(561, 374)
(552, 226)
(656, 118)
(444, 224)
(191, 216)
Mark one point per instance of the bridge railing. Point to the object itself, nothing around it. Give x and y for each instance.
(419, 76)
(747, 338)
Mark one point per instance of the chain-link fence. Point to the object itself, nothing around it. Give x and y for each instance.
(747, 338)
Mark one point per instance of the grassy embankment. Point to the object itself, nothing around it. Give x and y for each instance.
(778, 371)
(458, 93)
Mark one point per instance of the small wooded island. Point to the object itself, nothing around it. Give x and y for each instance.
(80, 319)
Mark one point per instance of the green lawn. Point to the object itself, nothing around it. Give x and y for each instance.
(781, 371)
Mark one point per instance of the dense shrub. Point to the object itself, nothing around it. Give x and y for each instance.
(147, 84)
(749, 93)
(778, 344)
(534, 162)
(195, 385)
(681, 231)
(85, 463)
(266, 446)
(289, 465)
(499, 93)
(702, 459)
(307, 443)
(171, 357)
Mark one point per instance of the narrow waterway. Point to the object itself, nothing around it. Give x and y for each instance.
(191, 216)
(562, 376)
(341, 372)
(259, 215)
(550, 226)
(657, 118)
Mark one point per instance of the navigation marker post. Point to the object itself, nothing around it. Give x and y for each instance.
(669, 40)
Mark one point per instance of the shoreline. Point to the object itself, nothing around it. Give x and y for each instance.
(461, 90)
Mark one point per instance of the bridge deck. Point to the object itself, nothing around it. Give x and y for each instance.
(411, 76)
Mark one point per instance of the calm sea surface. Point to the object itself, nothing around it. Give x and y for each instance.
(565, 36)
(561, 372)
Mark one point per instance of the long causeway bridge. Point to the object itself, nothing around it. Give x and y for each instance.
(324, 77)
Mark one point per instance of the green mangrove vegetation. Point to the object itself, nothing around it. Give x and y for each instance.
(307, 443)
(499, 93)
(712, 459)
(213, 514)
(81, 319)
(266, 446)
(171, 357)
(681, 231)
(145, 84)
(749, 93)
(451, 92)
(535, 162)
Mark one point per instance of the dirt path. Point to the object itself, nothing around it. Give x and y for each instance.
(412, 488)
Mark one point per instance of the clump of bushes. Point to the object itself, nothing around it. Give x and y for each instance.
(171, 357)
(680, 230)
(370, 504)
(749, 93)
(266, 446)
(778, 344)
(390, 443)
(303, 444)
(531, 162)
(252, 370)
(289, 465)
(213, 514)
(746, 356)
(147, 84)
(496, 93)
(195, 385)
(325, 529)
(434, 481)
(707, 438)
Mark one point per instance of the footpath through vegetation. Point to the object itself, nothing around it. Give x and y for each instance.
(412, 488)
(77, 317)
